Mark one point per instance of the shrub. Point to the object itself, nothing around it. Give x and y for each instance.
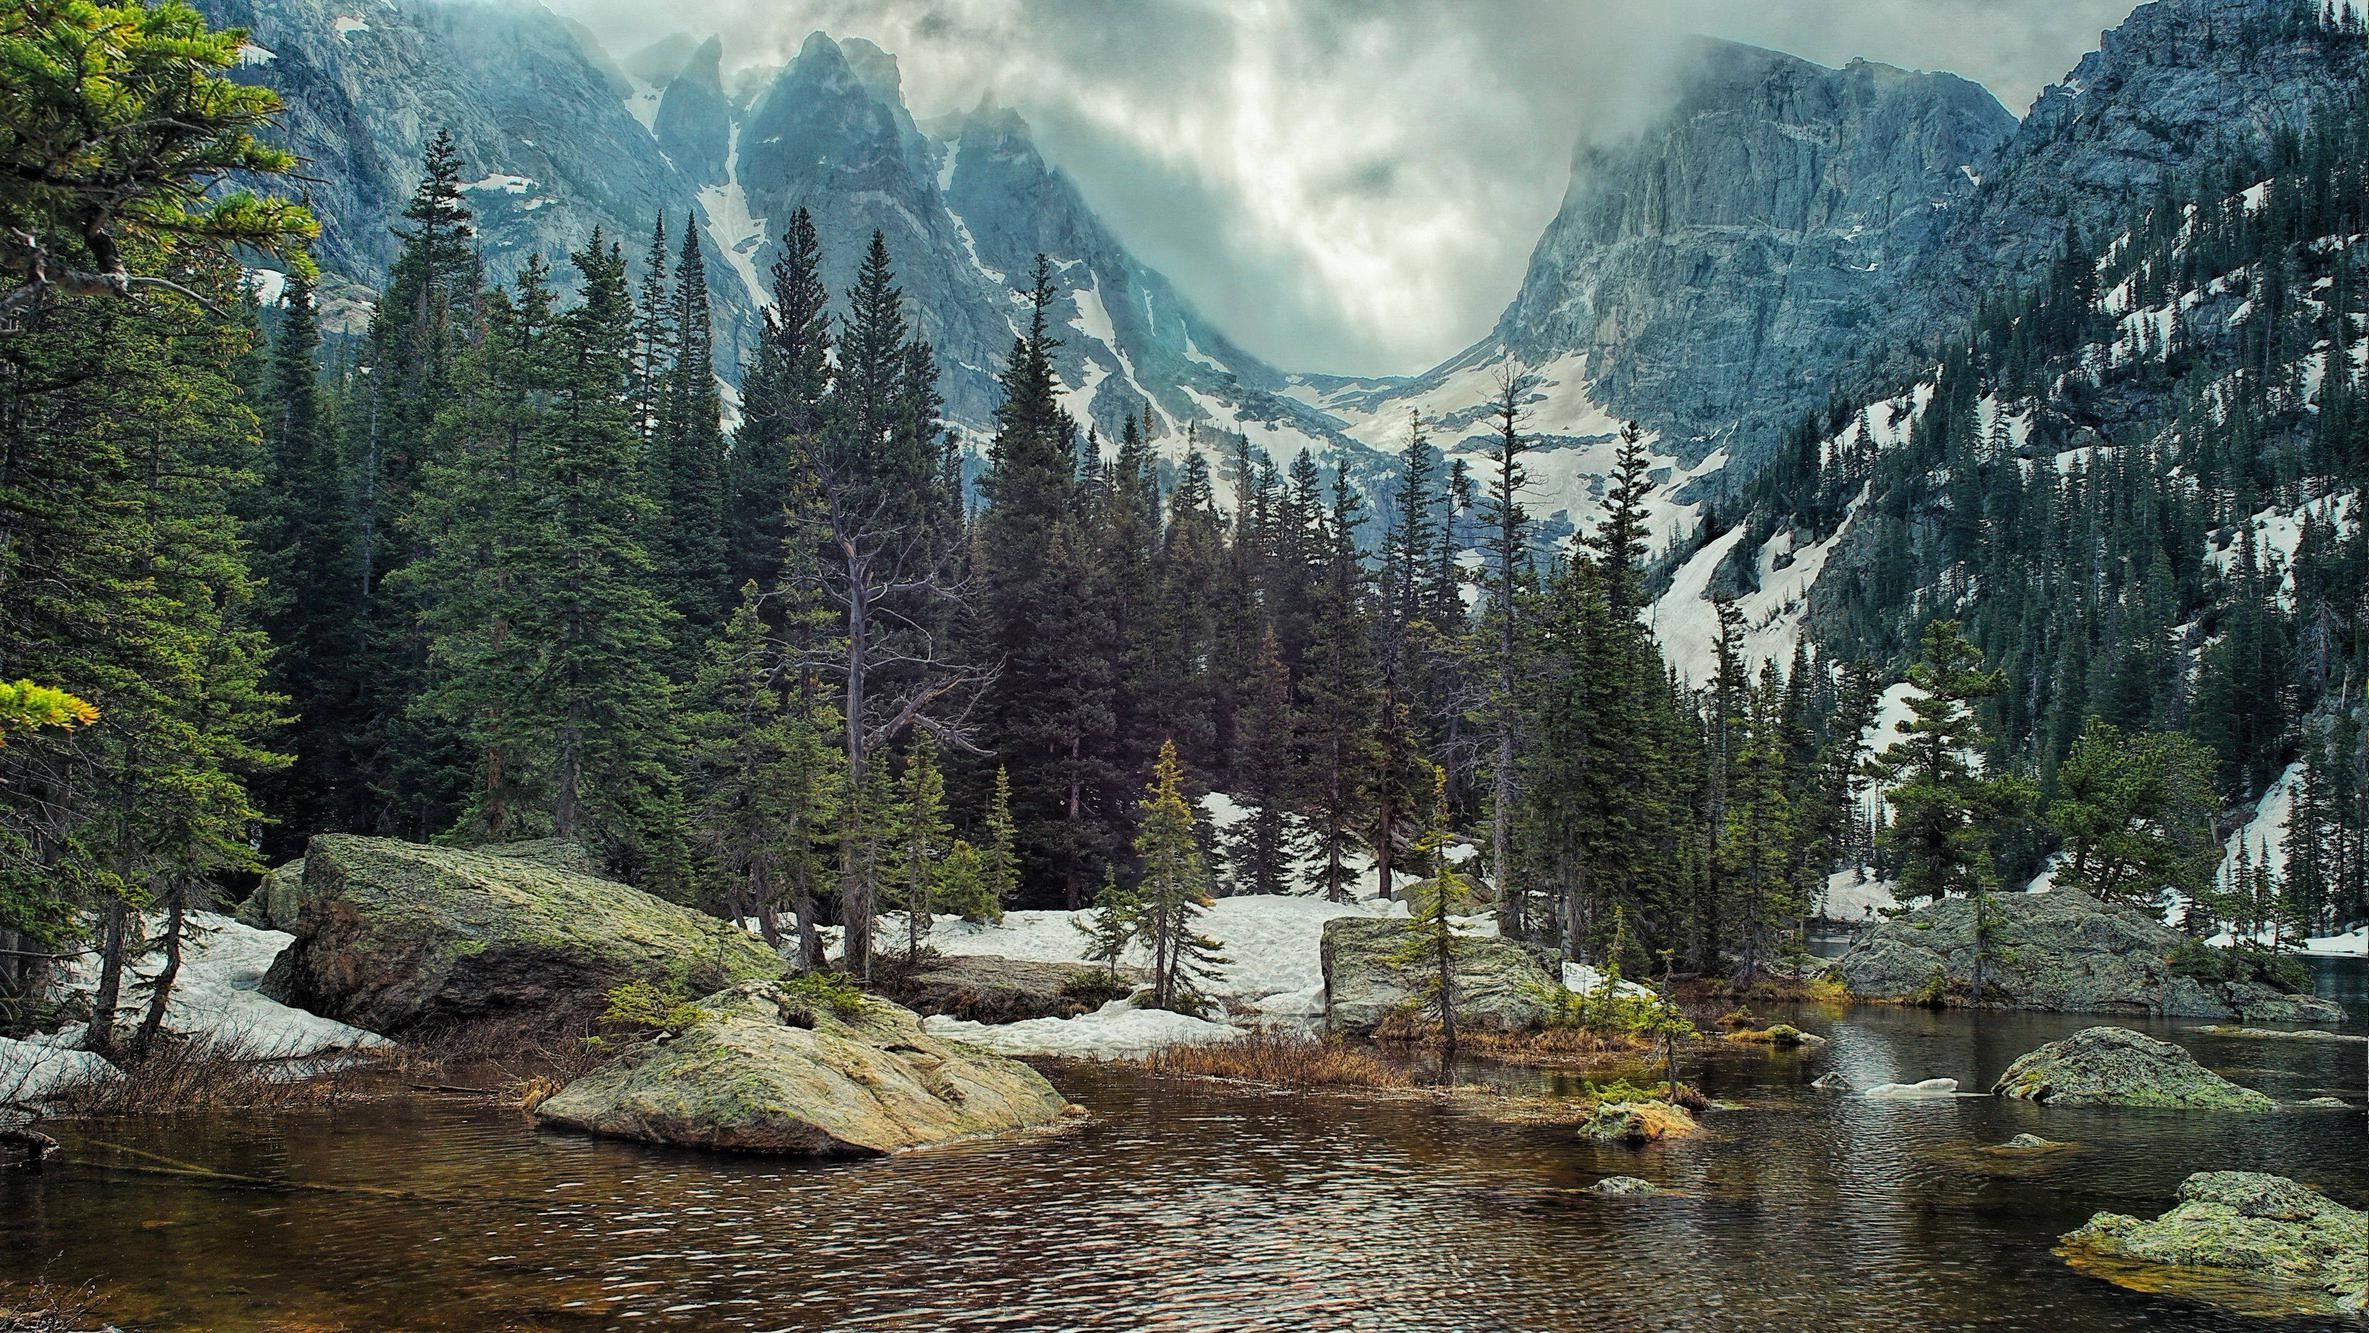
(643, 1009)
(827, 990)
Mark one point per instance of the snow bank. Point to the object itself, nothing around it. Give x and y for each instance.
(217, 994)
(1116, 1031)
(1584, 980)
(1851, 895)
(1270, 943)
(32, 1072)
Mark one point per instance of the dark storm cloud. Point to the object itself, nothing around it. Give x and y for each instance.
(1350, 185)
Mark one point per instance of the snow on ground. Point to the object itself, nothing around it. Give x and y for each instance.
(2278, 533)
(32, 1072)
(1686, 622)
(268, 284)
(1269, 942)
(1580, 979)
(217, 994)
(1226, 817)
(1116, 1031)
(2353, 943)
(731, 228)
(346, 25)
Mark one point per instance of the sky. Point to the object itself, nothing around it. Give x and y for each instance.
(1349, 186)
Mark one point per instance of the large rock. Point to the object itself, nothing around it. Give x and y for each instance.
(2259, 1230)
(2061, 951)
(769, 1069)
(272, 906)
(392, 935)
(982, 988)
(1499, 984)
(2119, 1067)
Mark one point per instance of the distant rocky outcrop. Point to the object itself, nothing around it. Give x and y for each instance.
(694, 120)
(2302, 1251)
(768, 1068)
(393, 935)
(2061, 951)
(2107, 1066)
(1499, 984)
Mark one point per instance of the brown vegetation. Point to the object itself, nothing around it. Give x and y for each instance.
(42, 1308)
(1283, 1062)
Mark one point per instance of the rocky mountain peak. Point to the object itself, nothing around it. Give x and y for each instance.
(694, 120)
(1715, 268)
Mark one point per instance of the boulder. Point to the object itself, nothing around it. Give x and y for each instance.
(767, 1068)
(1925, 1090)
(393, 935)
(2062, 951)
(1636, 1123)
(1626, 1187)
(2028, 1143)
(272, 906)
(2244, 1226)
(982, 988)
(1834, 1081)
(2118, 1067)
(1500, 984)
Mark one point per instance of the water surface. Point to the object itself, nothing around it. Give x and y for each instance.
(1185, 1205)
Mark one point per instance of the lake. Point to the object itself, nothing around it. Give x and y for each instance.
(1194, 1205)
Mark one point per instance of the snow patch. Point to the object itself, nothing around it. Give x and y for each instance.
(1117, 1031)
(33, 1072)
(218, 994)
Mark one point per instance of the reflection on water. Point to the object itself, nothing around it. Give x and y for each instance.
(1192, 1206)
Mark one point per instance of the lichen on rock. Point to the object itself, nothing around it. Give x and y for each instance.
(2305, 1251)
(2110, 1066)
(766, 1069)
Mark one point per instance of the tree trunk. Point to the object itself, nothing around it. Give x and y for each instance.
(100, 1039)
(162, 994)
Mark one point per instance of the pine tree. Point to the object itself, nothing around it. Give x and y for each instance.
(999, 866)
(687, 454)
(784, 399)
(1340, 697)
(1508, 542)
(1434, 903)
(1264, 850)
(923, 840)
(1939, 798)
(1173, 889)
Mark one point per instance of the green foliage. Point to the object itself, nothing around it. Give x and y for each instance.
(834, 991)
(120, 141)
(640, 1007)
(25, 706)
(2240, 963)
(1173, 890)
(2136, 815)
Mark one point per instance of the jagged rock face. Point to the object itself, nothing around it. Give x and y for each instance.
(553, 151)
(1717, 269)
(2181, 82)
(694, 121)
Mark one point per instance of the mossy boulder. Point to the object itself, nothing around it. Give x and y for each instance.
(982, 988)
(1500, 985)
(2106, 1066)
(2306, 1252)
(766, 1069)
(392, 936)
(1780, 1036)
(272, 906)
(1636, 1123)
(1626, 1187)
(2066, 952)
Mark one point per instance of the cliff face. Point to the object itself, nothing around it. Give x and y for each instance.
(540, 122)
(1717, 269)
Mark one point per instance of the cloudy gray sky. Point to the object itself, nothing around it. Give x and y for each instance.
(1349, 185)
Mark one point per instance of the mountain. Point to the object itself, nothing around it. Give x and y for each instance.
(367, 83)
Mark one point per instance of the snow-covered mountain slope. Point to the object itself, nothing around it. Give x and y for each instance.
(539, 117)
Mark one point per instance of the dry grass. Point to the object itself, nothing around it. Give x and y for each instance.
(1547, 1048)
(1283, 1062)
(41, 1308)
(205, 1074)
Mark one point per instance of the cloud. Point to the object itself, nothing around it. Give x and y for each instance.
(1349, 185)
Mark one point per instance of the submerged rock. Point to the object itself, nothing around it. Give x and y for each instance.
(982, 988)
(1912, 1092)
(768, 1069)
(392, 935)
(1499, 983)
(1626, 1187)
(2107, 1066)
(1834, 1081)
(2028, 1143)
(2325, 1104)
(2278, 1034)
(2062, 951)
(2258, 1229)
(1636, 1123)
